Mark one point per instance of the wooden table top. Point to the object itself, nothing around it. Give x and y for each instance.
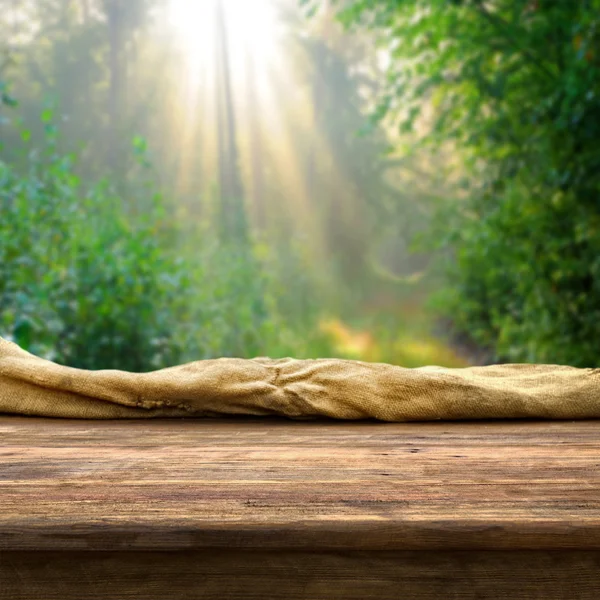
(166, 485)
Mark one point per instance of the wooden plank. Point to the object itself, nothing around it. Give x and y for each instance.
(172, 485)
(299, 575)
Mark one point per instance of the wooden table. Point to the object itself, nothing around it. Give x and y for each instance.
(262, 509)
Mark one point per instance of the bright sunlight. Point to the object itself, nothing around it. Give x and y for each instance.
(249, 28)
(254, 208)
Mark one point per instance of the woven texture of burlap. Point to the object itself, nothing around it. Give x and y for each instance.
(299, 389)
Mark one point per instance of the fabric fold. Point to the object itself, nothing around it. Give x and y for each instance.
(298, 389)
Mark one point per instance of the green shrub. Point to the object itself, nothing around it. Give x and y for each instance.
(514, 88)
(94, 279)
(81, 281)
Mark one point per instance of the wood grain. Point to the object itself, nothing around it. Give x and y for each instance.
(300, 575)
(270, 509)
(185, 484)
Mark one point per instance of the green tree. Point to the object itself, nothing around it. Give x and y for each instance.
(514, 87)
(84, 56)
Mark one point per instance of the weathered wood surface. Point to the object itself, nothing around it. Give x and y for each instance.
(300, 575)
(166, 485)
(261, 509)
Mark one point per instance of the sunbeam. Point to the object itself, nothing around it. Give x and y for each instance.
(251, 28)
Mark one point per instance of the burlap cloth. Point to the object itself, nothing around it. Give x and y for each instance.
(299, 389)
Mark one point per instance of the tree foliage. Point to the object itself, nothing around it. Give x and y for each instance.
(514, 87)
(81, 282)
(91, 281)
(278, 215)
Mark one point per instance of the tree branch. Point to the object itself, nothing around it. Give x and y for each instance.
(501, 25)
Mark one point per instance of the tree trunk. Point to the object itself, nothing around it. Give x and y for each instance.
(232, 208)
(256, 150)
(114, 23)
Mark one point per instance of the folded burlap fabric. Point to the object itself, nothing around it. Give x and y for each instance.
(299, 389)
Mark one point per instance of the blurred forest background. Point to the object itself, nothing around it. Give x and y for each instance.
(408, 181)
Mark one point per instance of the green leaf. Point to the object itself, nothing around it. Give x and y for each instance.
(23, 333)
